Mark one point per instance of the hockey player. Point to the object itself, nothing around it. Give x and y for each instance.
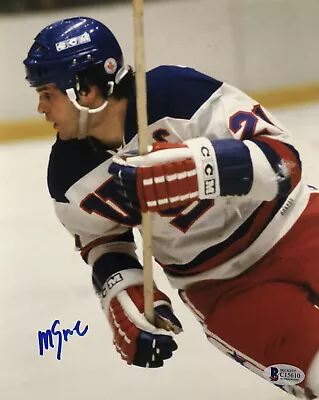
(234, 226)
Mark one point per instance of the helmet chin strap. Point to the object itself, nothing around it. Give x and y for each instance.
(85, 111)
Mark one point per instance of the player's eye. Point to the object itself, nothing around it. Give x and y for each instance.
(47, 96)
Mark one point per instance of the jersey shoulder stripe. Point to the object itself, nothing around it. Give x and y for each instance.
(172, 92)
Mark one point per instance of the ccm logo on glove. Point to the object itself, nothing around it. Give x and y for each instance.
(112, 281)
(206, 167)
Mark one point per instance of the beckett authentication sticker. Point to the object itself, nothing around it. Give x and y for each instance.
(284, 374)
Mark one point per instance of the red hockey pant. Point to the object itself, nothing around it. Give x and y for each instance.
(270, 314)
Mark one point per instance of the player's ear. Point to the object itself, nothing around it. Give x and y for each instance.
(89, 95)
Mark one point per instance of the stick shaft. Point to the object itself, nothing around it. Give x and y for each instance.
(141, 102)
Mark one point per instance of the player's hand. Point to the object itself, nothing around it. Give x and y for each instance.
(139, 342)
(171, 175)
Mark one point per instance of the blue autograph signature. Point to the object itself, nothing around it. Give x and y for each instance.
(45, 339)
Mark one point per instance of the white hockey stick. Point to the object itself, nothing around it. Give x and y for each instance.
(140, 76)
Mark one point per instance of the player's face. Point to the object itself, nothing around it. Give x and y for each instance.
(58, 110)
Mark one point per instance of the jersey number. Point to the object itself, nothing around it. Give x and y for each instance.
(105, 202)
(249, 121)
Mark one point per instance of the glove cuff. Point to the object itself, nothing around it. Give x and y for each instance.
(204, 156)
(120, 281)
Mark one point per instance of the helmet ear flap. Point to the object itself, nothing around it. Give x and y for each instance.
(118, 87)
(82, 84)
(94, 75)
(123, 82)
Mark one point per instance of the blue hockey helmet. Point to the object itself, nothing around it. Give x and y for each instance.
(65, 48)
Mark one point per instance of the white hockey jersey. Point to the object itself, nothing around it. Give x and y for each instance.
(209, 239)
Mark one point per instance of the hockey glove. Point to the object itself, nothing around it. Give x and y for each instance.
(139, 342)
(174, 174)
(171, 175)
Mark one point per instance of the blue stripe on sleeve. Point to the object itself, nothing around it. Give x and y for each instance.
(234, 166)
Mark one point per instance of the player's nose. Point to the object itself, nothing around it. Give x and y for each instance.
(42, 109)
